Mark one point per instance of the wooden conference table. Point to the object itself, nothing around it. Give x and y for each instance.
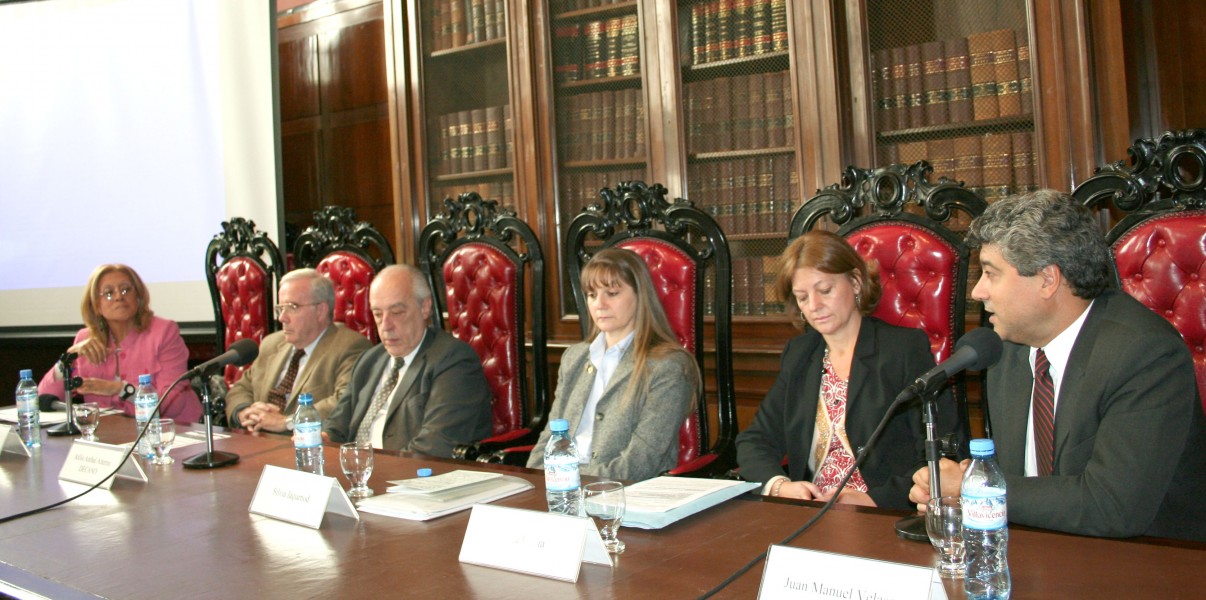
(188, 534)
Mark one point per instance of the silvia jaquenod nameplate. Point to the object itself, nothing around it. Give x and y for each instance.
(527, 541)
(92, 462)
(299, 497)
(799, 574)
(10, 441)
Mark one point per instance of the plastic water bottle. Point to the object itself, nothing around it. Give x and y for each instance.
(985, 530)
(562, 483)
(146, 400)
(29, 424)
(307, 435)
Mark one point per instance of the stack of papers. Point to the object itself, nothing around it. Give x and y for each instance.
(658, 502)
(426, 498)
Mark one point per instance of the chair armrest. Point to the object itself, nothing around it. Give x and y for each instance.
(480, 450)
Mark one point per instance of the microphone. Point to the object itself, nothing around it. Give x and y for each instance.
(977, 350)
(239, 354)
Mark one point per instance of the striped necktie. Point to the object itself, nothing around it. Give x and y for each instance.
(1043, 414)
(365, 431)
(279, 395)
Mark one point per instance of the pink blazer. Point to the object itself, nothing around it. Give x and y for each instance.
(159, 351)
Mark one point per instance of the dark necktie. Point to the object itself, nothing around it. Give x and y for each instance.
(365, 432)
(279, 394)
(1043, 414)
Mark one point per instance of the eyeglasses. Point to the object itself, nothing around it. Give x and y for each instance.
(283, 308)
(110, 294)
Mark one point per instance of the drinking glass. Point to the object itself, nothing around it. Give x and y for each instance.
(604, 501)
(356, 458)
(163, 444)
(944, 524)
(87, 416)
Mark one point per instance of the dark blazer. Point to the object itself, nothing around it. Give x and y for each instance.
(886, 360)
(441, 401)
(1130, 457)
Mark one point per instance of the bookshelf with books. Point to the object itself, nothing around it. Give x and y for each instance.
(739, 129)
(952, 83)
(467, 142)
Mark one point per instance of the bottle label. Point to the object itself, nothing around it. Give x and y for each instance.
(27, 403)
(986, 511)
(561, 474)
(144, 408)
(307, 435)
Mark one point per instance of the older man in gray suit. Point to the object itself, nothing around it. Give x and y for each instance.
(421, 389)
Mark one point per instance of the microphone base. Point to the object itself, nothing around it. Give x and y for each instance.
(63, 429)
(912, 528)
(210, 460)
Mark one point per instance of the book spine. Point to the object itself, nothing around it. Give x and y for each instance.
(508, 136)
(941, 154)
(613, 30)
(567, 62)
(789, 120)
(770, 273)
(997, 149)
(779, 26)
(1023, 162)
(885, 99)
(756, 121)
(1025, 83)
(494, 140)
(916, 86)
(983, 76)
(724, 34)
(639, 146)
(698, 34)
(630, 51)
(610, 123)
(933, 74)
(760, 27)
(594, 63)
(766, 192)
(900, 86)
(743, 28)
(741, 287)
(1009, 98)
(969, 163)
(958, 80)
(711, 31)
(774, 111)
(911, 152)
(477, 17)
(456, 23)
(477, 118)
(465, 140)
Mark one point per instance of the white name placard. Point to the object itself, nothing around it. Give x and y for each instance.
(10, 441)
(527, 541)
(299, 497)
(90, 463)
(799, 574)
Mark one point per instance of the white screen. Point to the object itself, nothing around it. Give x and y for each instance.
(129, 130)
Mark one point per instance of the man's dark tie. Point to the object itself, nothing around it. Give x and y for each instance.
(279, 395)
(1043, 414)
(365, 432)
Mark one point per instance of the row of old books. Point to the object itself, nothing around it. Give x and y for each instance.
(983, 76)
(994, 165)
(606, 125)
(559, 6)
(740, 113)
(473, 140)
(455, 23)
(607, 48)
(725, 29)
(754, 286)
(581, 189)
(749, 195)
(502, 191)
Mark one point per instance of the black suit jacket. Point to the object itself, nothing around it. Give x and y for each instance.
(1130, 456)
(886, 360)
(441, 401)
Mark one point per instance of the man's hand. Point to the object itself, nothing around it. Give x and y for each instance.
(951, 474)
(262, 416)
(800, 490)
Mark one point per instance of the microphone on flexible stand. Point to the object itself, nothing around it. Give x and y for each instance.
(240, 353)
(70, 383)
(977, 350)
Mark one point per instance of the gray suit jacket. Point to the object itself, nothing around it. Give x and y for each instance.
(441, 401)
(1130, 456)
(325, 375)
(634, 439)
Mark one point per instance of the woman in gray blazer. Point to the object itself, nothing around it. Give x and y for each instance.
(626, 390)
(835, 383)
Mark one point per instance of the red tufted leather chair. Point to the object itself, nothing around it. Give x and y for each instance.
(242, 267)
(922, 263)
(683, 246)
(350, 254)
(1160, 246)
(486, 267)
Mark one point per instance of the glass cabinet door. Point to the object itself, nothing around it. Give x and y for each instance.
(466, 99)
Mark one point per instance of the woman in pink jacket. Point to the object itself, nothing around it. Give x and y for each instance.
(121, 340)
